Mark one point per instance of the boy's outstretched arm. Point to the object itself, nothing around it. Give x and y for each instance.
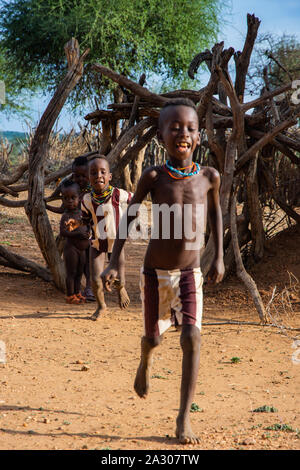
(214, 212)
(144, 186)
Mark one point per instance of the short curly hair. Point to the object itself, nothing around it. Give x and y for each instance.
(80, 161)
(99, 157)
(68, 183)
(176, 102)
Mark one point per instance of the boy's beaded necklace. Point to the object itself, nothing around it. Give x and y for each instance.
(102, 197)
(196, 169)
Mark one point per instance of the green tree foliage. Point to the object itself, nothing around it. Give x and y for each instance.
(284, 53)
(281, 55)
(130, 36)
(15, 100)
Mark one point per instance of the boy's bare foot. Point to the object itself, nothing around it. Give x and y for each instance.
(98, 312)
(142, 380)
(184, 432)
(124, 299)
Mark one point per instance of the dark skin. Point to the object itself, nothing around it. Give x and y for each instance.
(77, 240)
(178, 132)
(80, 176)
(100, 177)
(79, 236)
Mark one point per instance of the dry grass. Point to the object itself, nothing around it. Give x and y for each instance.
(280, 307)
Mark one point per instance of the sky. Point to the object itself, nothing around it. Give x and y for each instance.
(277, 17)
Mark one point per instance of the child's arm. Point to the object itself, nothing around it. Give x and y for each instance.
(57, 210)
(57, 191)
(86, 216)
(80, 232)
(214, 213)
(144, 186)
(55, 195)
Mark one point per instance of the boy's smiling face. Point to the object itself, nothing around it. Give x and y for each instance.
(100, 175)
(179, 132)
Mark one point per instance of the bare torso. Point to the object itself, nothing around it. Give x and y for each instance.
(174, 245)
(65, 228)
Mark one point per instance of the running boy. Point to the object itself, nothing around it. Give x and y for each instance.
(77, 241)
(102, 209)
(171, 279)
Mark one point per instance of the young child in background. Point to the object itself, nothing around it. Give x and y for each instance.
(102, 209)
(76, 241)
(81, 177)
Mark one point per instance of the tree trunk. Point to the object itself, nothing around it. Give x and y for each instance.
(35, 206)
(136, 169)
(240, 270)
(255, 212)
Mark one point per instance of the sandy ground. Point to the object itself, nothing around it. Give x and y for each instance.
(66, 382)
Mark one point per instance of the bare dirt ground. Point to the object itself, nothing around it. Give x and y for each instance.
(67, 382)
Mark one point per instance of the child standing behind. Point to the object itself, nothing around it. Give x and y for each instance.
(102, 209)
(81, 177)
(76, 241)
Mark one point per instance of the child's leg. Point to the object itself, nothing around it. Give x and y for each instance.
(124, 299)
(81, 259)
(142, 379)
(190, 343)
(152, 336)
(97, 261)
(88, 289)
(71, 262)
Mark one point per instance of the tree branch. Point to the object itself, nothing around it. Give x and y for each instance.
(20, 263)
(135, 88)
(241, 272)
(250, 153)
(242, 59)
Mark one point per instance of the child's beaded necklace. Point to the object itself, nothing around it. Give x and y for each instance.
(196, 170)
(102, 197)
